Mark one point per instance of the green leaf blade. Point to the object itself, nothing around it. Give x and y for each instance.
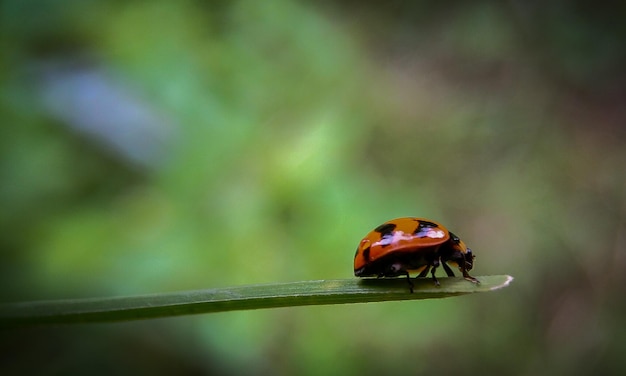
(321, 292)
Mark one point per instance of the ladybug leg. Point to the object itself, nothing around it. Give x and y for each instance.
(466, 274)
(424, 272)
(469, 277)
(432, 272)
(408, 279)
(449, 271)
(435, 278)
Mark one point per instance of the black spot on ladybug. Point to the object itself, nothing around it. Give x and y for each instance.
(455, 239)
(385, 228)
(424, 229)
(366, 254)
(427, 224)
(423, 225)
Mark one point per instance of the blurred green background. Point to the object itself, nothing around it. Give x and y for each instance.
(155, 146)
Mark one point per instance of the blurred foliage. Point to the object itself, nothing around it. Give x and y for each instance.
(285, 132)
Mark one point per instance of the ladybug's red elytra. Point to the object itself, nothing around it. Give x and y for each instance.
(410, 244)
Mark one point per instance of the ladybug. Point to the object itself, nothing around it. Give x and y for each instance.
(411, 244)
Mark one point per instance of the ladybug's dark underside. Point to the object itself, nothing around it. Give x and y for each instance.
(423, 258)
